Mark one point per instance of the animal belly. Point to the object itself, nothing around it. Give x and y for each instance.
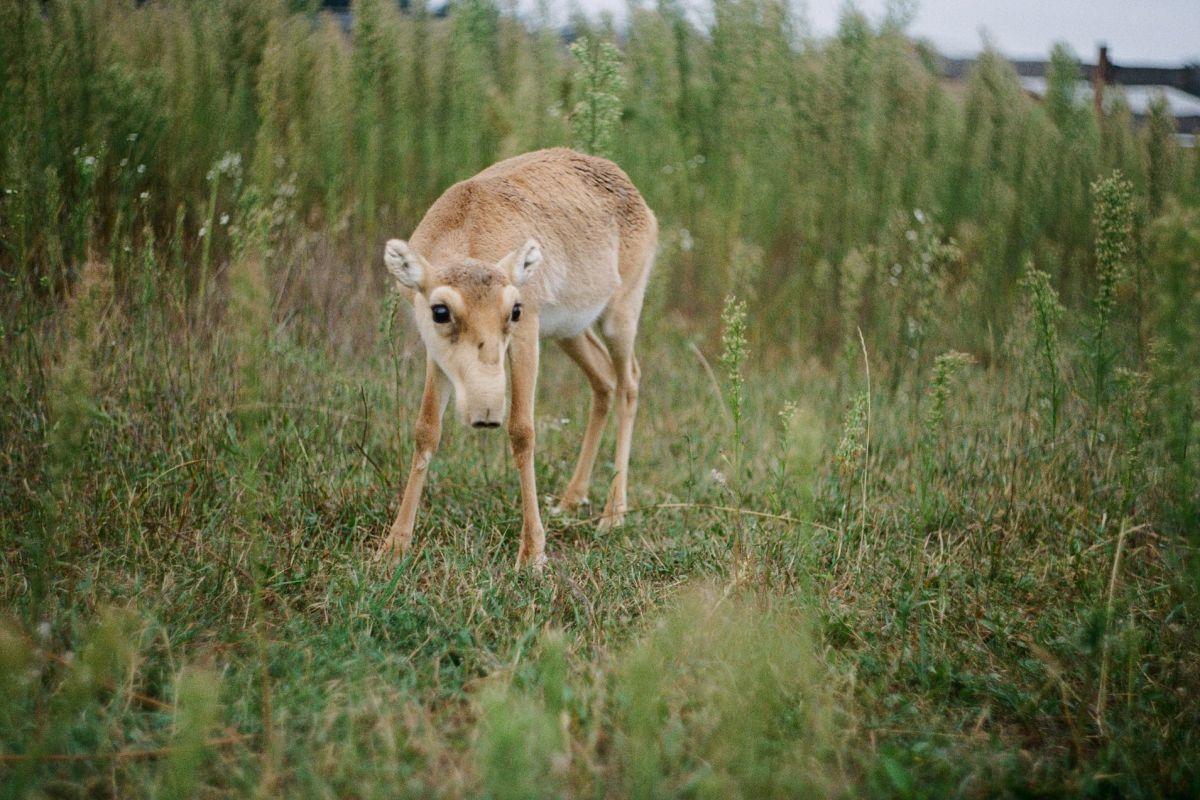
(563, 323)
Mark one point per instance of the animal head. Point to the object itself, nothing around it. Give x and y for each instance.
(466, 311)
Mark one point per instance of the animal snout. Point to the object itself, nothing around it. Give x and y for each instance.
(482, 402)
(488, 417)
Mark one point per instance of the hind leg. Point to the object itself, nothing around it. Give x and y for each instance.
(628, 374)
(619, 328)
(589, 353)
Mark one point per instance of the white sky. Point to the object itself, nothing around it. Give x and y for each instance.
(1143, 31)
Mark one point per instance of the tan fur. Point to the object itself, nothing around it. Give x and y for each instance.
(568, 237)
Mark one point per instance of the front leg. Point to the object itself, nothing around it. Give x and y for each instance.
(523, 356)
(427, 436)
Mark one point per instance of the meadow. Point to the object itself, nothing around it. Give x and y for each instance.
(916, 481)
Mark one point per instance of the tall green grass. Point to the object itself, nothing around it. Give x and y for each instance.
(774, 160)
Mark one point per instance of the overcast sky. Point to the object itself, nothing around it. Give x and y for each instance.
(1155, 31)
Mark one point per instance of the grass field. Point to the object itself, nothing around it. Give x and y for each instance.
(975, 605)
(915, 517)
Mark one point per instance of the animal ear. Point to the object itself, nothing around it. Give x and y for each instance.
(404, 264)
(521, 262)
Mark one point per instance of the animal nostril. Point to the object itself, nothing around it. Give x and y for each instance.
(485, 424)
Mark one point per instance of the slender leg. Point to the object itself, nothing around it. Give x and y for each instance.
(523, 357)
(619, 326)
(589, 353)
(427, 436)
(628, 374)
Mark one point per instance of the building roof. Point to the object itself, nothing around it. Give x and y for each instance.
(1138, 98)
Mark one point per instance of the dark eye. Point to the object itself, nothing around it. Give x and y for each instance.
(440, 313)
(516, 312)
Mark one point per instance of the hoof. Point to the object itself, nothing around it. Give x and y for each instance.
(568, 507)
(392, 550)
(609, 521)
(537, 564)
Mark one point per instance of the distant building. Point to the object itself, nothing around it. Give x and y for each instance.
(343, 13)
(1137, 84)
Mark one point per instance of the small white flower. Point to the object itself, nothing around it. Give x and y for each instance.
(131, 137)
(920, 215)
(144, 196)
(43, 630)
(141, 168)
(89, 161)
(224, 219)
(124, 162)
(686, 243)
(230, 164)
(203, 231)
(718, 477)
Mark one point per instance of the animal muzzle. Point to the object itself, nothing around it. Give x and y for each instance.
(487, 416)
(484, 403)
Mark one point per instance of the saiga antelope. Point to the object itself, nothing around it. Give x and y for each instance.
(540, 245)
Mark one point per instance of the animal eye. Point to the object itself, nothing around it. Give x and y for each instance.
(516, 312)
(440, 313)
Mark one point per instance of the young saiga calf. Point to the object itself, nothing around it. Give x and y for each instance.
(540, 245)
